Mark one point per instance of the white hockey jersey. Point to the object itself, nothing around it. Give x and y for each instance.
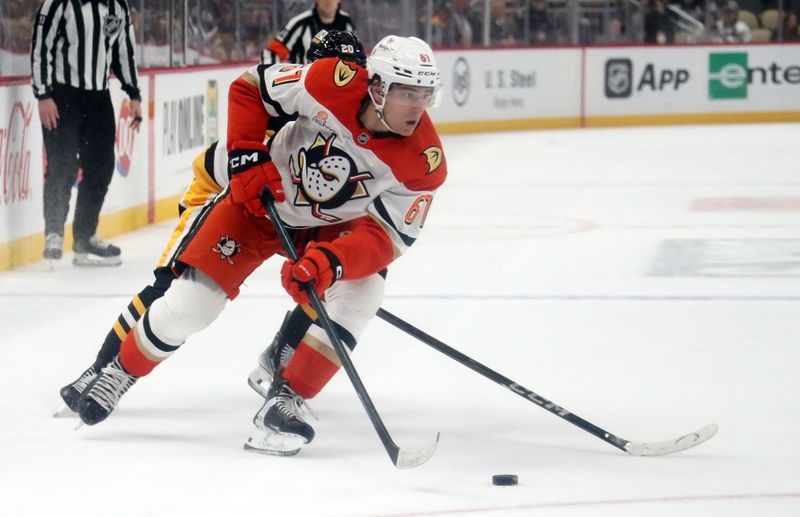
(334, 169)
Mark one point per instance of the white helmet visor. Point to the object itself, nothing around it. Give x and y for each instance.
(414, 96)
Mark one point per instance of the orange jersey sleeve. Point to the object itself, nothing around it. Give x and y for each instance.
(247, 118)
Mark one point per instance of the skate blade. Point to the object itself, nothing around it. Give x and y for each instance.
(247, 447)
(64, 412)
(259, 383)
(267, 441)
(84, 260)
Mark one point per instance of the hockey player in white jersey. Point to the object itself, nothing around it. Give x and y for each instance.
(354, 172)
(210, 169)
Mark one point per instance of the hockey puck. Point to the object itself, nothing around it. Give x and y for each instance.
(504, 479)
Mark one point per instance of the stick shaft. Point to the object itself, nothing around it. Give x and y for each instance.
(501, 379)
(341, 351)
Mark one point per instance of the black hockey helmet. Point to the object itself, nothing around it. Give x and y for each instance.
(342, 44)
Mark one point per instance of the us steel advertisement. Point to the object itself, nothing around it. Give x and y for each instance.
(509, 85)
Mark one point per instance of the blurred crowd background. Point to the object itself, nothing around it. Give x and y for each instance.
(188, 32)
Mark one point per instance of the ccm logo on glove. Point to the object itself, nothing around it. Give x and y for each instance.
(238, 163)
(252, 172)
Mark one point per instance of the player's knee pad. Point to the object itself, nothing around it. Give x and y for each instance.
(352, 304)
(190, 304)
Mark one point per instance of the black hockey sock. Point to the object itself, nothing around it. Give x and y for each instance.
(127, 318)
(295, 327)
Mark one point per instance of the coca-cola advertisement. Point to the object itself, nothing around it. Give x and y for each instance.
(15, 153)
(125, 139)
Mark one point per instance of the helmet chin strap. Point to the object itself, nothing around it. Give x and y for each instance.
(379, 111)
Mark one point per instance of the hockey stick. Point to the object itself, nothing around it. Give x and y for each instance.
(402, 458)
(681, 443)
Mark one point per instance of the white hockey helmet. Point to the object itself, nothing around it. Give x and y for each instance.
(409, 61)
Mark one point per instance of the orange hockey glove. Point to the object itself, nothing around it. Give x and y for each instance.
(251, 172)
(319, 266)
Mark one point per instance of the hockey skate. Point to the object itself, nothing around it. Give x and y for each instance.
(71, 393)
(94, 252)
(273, 359)
(53, 246)
(103, 394)
(280, 427)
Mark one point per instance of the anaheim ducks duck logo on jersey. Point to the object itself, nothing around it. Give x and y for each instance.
(227, 248)
(326, 177)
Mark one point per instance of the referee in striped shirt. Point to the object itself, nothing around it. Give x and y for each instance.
(292, 42)
(75, 44)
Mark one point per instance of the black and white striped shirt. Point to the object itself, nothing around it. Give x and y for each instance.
(77, 42)
(292, 42)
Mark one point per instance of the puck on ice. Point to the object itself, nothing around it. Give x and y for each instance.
(504, 479)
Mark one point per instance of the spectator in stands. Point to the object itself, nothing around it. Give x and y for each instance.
(539, 24)
(202, 26)
(156, 27)
(464, 17)
(658, 27)
(714, 15)
(504, 27)
(220, 46)
(614, 32)
(730, 29)
(226, 18)
(694, 8)
(15, 28)
(254, 30)
(445, 29)
(791, 32)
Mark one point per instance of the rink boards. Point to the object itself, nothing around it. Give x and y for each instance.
(484, 90)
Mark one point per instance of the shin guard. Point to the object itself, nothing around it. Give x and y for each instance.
(141, 351)
(312, 366)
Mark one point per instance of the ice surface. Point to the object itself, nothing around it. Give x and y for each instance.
(539, 260)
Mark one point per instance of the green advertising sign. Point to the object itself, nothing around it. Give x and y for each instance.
(727, 75)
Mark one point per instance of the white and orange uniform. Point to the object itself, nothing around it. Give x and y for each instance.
(366, 194)
(334, 171)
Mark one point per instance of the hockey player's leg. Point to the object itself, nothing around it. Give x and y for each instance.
(280, 424)
(201, 190)
(131, 314)
(280, 350)
(217, 263)
(192, 302)
(72, 392)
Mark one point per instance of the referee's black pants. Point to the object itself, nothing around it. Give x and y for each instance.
(84, 137)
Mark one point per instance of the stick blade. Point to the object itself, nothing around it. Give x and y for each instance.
(410, 457)
(682, 443)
